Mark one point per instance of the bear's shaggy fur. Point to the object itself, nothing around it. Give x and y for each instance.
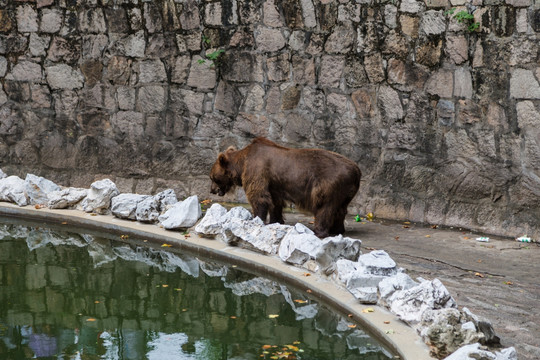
(315, 180)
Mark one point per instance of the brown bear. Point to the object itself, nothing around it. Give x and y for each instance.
(315, 180)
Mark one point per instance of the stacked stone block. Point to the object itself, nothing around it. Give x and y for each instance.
(442, 121)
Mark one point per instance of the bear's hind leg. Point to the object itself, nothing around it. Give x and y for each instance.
(276, 211)
(338, 224)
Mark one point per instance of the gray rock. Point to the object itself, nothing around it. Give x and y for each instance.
(400, 281)
(65, 197)
(37, 188)
(99, 196)
(299, 245)
(474, 352)
(182, 215)
(64, 77)
(523, 85)
(51, 20)
(410, 304)
(214, 270)
(254, 286)
(152, 71)
(148, 209)
(212, 222)
(26, 71)
(12, 189)
(359, 279)
(27, 19)
(124, 206)
(378, 262)
(335, 248)
(433, 22)
(254, 234)
(445, 330)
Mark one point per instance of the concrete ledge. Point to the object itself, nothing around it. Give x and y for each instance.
(395, 335)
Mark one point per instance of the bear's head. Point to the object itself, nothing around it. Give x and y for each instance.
(223, 179)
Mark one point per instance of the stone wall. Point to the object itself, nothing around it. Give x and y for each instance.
(442, 121)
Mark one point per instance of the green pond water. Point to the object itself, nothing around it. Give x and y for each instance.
(65, 295)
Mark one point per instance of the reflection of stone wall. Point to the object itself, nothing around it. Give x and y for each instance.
(59, 286)
(442, 122)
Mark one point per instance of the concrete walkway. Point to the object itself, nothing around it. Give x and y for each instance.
(497, 280)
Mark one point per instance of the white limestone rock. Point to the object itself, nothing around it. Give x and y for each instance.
(2, 174)
(254, 234)
(12, 189)
(389, 285)
(256, 285)
(66, 197)
(37, 188)
(299, 245)
(148, 209)
(182, 215)
(212, 222)
(99, 197)
(335, 248)
(410, 304)
(124, 206)
(378, 262)
(474, 352)
(362, 278)
(166, 198)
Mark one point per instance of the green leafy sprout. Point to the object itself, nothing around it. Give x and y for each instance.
(213, 57)
(464, 17)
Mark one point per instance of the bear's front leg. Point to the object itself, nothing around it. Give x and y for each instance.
(276, 211)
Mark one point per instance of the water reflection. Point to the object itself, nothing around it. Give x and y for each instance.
(70, 296)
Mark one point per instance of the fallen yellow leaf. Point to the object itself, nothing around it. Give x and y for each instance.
(479, 275)
(306, 274)
(165, 285)
(300, 301)
(166, 245)
(273, 316)
(233, 317)
(266, 346)
(352, 326)
(368, 310)
(90, 319)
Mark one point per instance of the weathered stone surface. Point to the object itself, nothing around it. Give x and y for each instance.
(182, 215)
(27, 19)
(331, 71)
(432, 22)
(147, 210)
(181, 69)
(132, 45)
(390, 103)
(409, 25)
(151, 99)
(228, 98)
(463, 83)
(411, 6)
(457, 48)
(441, 83)
(269, 39)
(373, 65)
(212, 222)
(151, 71)
(308, 12)
(64, 77)
(92, 21)
(202, 75)
(527, 114)
(340, 40)
(363, 103)
(12, 189)
(254, 234)
(66, 197)
(278, 67)
(271, 15)
(335, 248)
(51, 20)
(299, 245)
(26, 71)
(389, 285)
(410, 304)
(99, 197)
(290, 97)
(37, 188)
(523, 85)
(473, 351)
(124, 206)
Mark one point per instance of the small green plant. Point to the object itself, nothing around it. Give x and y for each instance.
(213, 57)
(464, 17)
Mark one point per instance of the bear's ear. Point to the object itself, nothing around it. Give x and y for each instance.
(222, 158)
(230, 148)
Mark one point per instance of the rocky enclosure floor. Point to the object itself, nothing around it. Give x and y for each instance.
(497, 280)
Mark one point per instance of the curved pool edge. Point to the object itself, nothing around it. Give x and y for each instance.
(383, 325)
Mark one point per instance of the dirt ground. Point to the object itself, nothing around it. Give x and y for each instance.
(496, 280)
